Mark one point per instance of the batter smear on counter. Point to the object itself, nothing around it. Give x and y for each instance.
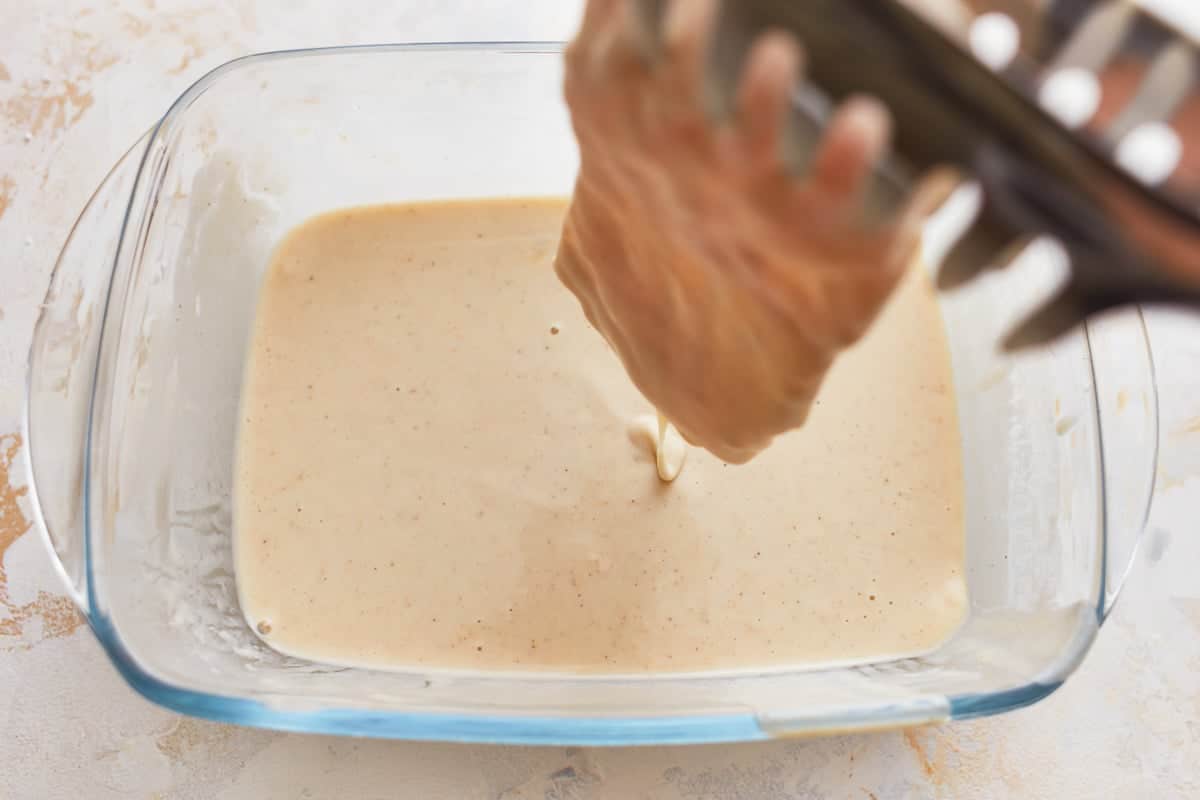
(437, 468)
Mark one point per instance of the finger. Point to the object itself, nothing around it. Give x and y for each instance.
(857, 137)
(764, 95)
(646, 20)
(608, 43)
(933, 190)
(687, 30)
(598, 15)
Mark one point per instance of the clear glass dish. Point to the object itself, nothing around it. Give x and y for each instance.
(135, 376)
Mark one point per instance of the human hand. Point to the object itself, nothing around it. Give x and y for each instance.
(725, 283)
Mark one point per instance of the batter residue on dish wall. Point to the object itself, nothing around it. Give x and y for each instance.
(436, 468)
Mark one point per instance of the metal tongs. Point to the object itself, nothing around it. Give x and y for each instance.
(1128, 241)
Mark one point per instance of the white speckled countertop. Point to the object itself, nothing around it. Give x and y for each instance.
(79, 81)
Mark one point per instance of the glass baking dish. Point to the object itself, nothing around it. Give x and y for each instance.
(135, 377)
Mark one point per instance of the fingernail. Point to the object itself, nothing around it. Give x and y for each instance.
(686, 18)
(870, 120)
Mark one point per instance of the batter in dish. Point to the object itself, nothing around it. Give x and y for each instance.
(441, 465)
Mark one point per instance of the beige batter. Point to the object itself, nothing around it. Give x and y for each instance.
(442, 465)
